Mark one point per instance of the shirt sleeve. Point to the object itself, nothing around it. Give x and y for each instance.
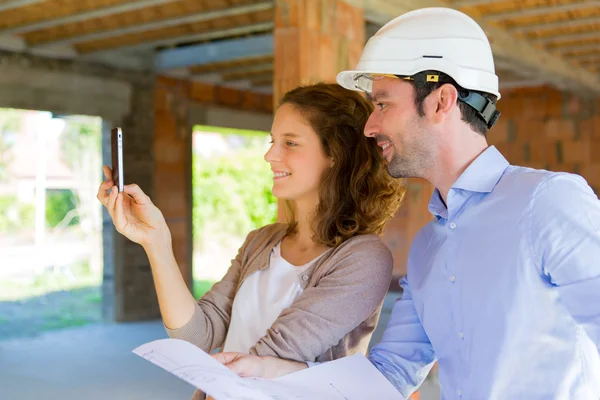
(404, 355)
(565, 235)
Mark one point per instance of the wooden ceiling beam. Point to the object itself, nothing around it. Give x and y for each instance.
(85, 15)
(187, 19)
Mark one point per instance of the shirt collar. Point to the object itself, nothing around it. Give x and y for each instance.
(481, 176)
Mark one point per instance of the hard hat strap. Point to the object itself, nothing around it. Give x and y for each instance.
(485, 108)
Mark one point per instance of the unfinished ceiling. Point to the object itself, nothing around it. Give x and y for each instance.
(535, 42)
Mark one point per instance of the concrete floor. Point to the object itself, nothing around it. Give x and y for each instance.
(96, 363)
(93, 362)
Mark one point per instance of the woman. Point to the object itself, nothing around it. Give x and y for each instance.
(310, 289)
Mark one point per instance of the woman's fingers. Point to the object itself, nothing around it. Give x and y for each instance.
(103, 191)
(111, 200)
(227, 357)
(107, 173)
(136, 194)
(119, 216)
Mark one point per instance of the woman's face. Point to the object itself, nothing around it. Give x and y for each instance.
(296, 156)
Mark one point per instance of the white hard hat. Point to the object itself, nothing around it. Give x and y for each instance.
(436, 38)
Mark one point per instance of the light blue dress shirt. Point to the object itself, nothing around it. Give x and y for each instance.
(502, 289)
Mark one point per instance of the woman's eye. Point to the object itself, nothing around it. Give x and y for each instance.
(381, 106)
(290, 143)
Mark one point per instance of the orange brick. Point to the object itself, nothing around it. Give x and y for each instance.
(250, 101)
(202, 92)
(287, 13)
(511, 105)
(229, 96)
(553, 103)
(555, 128)
(576, 151)
(594, 126)
(595, 149)
(499, 133)
(313, 39)
(573, 105)
(591, 173)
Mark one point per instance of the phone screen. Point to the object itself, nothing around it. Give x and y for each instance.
(116, 143)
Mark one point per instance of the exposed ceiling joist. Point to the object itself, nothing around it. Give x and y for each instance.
(577, 48)
(468, 3)
(589, 61)
(86, 15)
(11, 5)
(234, 70)
(570, 23)
(17, 44)
(266, 81)
(187, 19)
(544, 10)
(565, 37)
(515, 84)
(115, 59)
(584, 57)
(208, 53)
(198, 37)
(256, 75)
(252, 78)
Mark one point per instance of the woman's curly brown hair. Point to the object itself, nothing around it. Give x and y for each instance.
(356, 195)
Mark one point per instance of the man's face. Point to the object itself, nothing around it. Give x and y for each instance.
(398, 128)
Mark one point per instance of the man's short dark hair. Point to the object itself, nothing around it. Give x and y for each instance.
(469, 115)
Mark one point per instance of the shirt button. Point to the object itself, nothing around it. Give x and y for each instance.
(452, 278)
(452, 225)
(305, 277)
(461, 335)
(459, 392)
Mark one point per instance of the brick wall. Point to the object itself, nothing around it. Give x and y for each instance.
(544, 128)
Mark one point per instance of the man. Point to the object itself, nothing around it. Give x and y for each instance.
(503, 286)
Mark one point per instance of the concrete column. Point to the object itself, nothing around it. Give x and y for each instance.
(128, 288)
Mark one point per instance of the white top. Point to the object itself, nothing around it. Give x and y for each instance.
(260, 300)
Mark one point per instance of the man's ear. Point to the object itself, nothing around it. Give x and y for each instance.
(445, 99)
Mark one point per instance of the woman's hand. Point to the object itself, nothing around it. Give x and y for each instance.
(247, 365)
(133, 213)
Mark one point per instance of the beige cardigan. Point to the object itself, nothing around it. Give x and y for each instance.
(333, 317)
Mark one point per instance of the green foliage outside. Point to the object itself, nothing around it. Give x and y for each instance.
(232, 192)
(58, 204)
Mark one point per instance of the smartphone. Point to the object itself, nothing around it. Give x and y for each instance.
(116, 150)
